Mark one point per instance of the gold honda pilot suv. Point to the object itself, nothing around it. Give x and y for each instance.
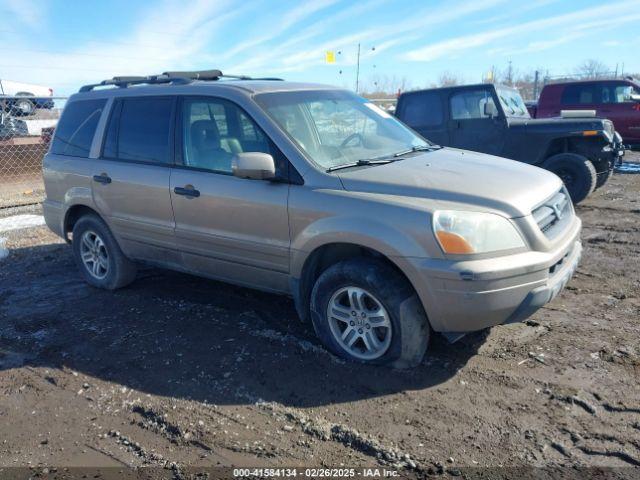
(380, 236)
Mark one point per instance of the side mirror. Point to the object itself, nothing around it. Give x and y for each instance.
(490, 110)
(635, 97)
(253, 165)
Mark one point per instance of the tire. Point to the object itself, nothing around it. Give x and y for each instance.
(577, 172)
(403, 330)
(24, 107)
(110, 269)
(603, 177)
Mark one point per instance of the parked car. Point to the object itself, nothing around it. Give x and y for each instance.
(618, 100)
(23, 98)
(493, 119)
(310, 191)
(11, 127)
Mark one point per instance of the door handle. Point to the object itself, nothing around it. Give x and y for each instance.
(102, 178)
(187, 191)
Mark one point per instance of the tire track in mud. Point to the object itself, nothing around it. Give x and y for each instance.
(344, 435)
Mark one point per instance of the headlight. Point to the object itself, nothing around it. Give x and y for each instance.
(474, 232)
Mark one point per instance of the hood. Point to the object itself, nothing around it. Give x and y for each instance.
(558, 124)
(450, 175)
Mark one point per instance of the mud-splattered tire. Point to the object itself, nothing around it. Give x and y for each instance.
(385, 304)
(98, 255)
(577, 172)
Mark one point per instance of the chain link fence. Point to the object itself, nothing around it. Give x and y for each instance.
(26, 128)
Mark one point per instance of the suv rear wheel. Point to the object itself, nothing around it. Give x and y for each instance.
(577, 172)
(365, 311)
(98, 255)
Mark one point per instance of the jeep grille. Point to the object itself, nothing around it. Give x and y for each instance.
(553, 214)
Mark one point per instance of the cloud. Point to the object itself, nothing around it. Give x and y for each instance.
(571, 33)
(466, 42)
(152, 46)
(276, 29)
(293, 56)
(30, 13)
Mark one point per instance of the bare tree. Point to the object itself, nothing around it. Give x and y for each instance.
(449, 79)
(592, 69)
(383, 86)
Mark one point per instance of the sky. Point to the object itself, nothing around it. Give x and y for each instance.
(64, 44)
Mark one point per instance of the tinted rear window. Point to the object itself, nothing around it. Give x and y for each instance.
(581, 94)
(422, 110)
(77, 127)
(139, 130)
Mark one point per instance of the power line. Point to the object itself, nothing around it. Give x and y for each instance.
(49, 52)
(104, 42)
(35, 67)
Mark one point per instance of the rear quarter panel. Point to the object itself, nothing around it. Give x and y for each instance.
(67, 182)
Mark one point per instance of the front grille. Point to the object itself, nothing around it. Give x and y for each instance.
(553, 213)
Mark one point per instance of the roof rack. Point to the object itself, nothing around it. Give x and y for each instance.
(176, 78)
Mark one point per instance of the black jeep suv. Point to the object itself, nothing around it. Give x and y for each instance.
(494, 119)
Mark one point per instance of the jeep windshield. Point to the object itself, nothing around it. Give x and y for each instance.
(338, 129)
(512, 103)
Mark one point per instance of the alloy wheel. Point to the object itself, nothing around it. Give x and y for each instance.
(359, 323)
(94, 255)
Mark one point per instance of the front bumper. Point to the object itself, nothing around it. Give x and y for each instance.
(465, 296)
(615, 151)
(542, 295)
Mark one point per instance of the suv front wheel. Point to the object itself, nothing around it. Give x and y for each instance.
(98, 255)
(363, 310)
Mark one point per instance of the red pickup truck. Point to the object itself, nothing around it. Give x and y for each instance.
(618, 100)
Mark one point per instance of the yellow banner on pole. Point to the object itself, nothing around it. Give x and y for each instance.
(330, 56)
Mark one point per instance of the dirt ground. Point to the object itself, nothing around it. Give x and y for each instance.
(177, 371)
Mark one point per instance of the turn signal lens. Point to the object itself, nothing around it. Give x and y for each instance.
(590, 133)
(453, 243)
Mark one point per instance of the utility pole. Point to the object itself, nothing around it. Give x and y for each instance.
(510, 74)
(535, 85)
(358, 70)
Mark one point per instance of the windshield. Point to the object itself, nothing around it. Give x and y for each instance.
(512, 103)
(337, 127)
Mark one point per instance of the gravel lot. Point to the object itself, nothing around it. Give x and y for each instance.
(177, 371)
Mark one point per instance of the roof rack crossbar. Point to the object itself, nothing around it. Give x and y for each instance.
(196, 75)
(179, 78)
(124, 82)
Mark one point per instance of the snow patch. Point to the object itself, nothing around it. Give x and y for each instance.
(4, 252)
(18, 222)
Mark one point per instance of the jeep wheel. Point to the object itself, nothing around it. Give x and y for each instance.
(365, 311)
(98, 255)
(577, 173)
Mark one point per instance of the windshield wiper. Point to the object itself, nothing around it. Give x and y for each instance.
(359, 163)
(394, 157)
(419, 148)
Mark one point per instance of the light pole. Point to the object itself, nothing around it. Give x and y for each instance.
(373, 49)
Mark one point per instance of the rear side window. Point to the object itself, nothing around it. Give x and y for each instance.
(423, 110)
(581, 94)
(77, 127)
(140, 130)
